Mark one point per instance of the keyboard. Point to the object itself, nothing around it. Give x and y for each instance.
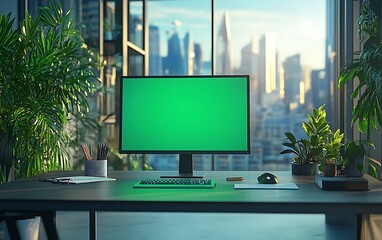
(175, 183)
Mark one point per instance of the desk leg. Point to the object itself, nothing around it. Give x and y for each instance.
(359, 226)
(49, 220)
(92, 225)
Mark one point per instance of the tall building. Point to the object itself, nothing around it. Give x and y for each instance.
(267, 63)
(223, 47)
(198, 59)
(331, 46)
(155, 60)
(319, 94)
(250, 59)
(292, 78)
(175, 59)
(305, 92)
(189, 54)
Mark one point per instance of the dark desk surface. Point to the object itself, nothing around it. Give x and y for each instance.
(32, 195)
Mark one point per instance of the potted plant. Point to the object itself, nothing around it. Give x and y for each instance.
(46, 75)
(330, 155)
(321, 148)
(366, 70)
(318, 149)
(304, 154)
(328, 143)
(354, 158)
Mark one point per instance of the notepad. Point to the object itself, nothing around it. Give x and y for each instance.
(79, 179)
(279, 186)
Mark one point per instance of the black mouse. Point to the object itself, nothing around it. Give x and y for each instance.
(267, 178)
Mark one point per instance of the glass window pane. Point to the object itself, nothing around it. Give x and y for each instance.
(135, 63)
(136, 23)
(179, 37)
(281, 45)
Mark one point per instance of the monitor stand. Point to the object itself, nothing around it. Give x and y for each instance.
(186, 168)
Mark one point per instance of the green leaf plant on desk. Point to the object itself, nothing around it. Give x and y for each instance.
(354, 158)
(364, 74)
(321, 148)
(46, 75)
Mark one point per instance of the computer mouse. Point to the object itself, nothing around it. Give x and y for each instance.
(267, 178)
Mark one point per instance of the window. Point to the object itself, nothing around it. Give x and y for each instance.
(289, 48)
(283, 45)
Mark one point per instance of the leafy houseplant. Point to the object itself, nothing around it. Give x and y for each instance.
(46, 75)
(354, 156)
(322, 145)
(368, 70)
(328, 142)
(331, 153)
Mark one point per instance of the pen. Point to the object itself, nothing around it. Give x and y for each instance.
(235, 178)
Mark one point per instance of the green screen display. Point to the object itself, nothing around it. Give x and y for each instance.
(199, 114)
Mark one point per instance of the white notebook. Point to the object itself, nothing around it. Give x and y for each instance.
(79, 179)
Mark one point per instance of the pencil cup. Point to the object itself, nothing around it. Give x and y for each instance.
(96, 168)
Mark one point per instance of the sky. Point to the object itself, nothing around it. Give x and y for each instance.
(299, 25)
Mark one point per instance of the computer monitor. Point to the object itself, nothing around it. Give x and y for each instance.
(185, 115)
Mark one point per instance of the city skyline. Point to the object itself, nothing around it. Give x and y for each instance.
(298, 30)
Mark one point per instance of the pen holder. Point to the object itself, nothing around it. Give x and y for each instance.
(96, 168)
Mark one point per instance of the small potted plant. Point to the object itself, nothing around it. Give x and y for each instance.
(304, 152)
(320, 148)
(354, 157)
(331, 154)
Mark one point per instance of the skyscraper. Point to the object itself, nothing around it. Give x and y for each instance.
(155, 60)
(198, 60)
(267, 63)
(175, 60)
(319, 85)
(331, 47)
(189, 54)
(223, 47)
(250, 59)
(292, 78)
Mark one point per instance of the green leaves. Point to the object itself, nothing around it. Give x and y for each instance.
(368, 70)
(323, 145)
(45, 78)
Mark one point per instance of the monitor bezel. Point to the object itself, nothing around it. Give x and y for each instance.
(186, 152)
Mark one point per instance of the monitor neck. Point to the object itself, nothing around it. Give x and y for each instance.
(186, 164)
(186, 168)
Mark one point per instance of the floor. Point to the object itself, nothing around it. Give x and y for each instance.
(187, 226)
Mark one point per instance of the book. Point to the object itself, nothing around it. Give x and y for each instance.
(341, 183)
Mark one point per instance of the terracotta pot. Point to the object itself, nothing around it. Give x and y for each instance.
(329, 170)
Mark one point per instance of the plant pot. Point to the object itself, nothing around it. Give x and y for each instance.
(351, 170)
(329, 170)
(303, 169)
(28, 229)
